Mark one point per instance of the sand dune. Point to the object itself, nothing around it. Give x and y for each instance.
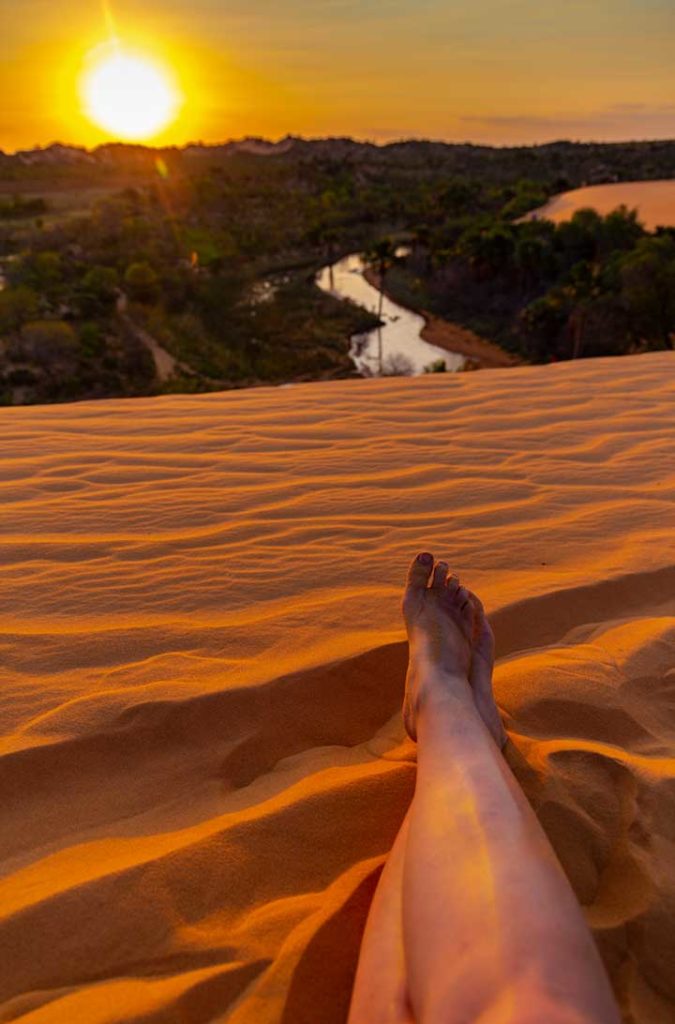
(202, 765)
(654, 201)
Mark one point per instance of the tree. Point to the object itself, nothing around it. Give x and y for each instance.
(621, 230)
(98, 291)
(19, 207)
(606, 328)
(580, 237)
(17, 306)
(532, 258)
(648, 289)
(381, 257)
(92, 342)
(582, 290)
(43, 272)
(327, 238)
(459, 196)
(50, 343)
(141, 282)
(540, 326)
(489, 251)
(527, 196)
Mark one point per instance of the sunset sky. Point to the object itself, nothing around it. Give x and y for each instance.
(500, 71)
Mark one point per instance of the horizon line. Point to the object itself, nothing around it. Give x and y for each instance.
(404, 139)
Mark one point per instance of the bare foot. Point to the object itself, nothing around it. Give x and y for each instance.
(451, 645)
(440, 623)
(480, 677)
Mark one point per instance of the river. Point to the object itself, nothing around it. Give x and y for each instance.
(397, 346)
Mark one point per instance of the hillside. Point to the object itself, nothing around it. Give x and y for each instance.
(577, 162)
(202, 765)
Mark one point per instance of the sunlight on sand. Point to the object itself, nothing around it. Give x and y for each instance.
(202, 762)
(654, 201)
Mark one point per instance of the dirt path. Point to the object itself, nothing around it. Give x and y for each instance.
(166, 365)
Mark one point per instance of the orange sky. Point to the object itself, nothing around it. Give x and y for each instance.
(502, 71)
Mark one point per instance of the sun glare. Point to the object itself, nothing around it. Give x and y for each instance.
(128, 94)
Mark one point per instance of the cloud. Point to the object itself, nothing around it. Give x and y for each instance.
(619, 121)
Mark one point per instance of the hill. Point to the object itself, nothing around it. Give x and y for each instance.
(571, 163)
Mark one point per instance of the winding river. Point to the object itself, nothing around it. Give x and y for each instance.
(396, 347)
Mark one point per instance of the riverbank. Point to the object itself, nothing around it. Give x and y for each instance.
(481, 354)
(395, 346)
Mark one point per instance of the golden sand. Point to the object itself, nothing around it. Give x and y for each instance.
(202, 765)
(654, 201)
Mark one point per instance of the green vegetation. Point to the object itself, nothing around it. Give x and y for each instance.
(588, 287)
(18, 207)
(210, 254)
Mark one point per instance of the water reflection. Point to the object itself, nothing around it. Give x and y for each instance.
(394, 348)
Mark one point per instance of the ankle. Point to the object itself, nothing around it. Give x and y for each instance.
(451, 714)
(447, 689)
(429, 683)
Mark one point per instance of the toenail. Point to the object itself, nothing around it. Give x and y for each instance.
(425, 558)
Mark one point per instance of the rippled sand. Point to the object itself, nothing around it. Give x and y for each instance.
(654, 201)
(202, 764)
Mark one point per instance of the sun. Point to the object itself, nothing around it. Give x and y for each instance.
(128, 93)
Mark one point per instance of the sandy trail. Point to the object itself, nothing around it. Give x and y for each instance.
(166, 365)
(202, 764)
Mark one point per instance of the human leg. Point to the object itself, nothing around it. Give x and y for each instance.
(491, 929)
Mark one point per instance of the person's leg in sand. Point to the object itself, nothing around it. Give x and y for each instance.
(473, 919)
(381, 991)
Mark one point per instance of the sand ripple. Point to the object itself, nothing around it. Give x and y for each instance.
(201, 761)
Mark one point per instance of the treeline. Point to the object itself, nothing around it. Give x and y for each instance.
(587, 287)
(562, 164)
(19, 207)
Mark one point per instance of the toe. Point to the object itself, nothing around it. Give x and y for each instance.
(483, 635)
(479, 611)
(453, 584)
(440, 575)
(466, 609)
(419, 571)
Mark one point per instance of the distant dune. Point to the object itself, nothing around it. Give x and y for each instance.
(202, 764)
(654, 200)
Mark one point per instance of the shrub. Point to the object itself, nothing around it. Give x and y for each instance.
(17, 305)
(141, 282)
(49, 342)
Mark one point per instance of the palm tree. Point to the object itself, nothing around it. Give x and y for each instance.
(327, 237)
(582, 291)
(381, 256)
